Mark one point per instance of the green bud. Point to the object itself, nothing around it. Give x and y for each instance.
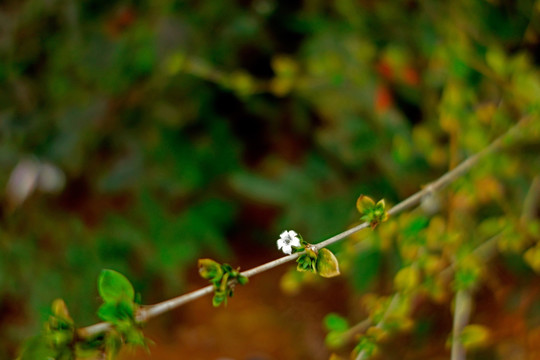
(371, 212)
(60, 310)
(210, 269)
(242, 280)
(218, 299)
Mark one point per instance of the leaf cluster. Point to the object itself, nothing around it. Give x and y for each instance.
(223, 278)
(119, 309)
(371, 212)
(322, 262)
(57, 339)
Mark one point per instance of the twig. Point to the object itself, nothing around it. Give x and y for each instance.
(356, 329)
(362, 354)
(483, 251)
(147, 312)
(462, 312)
(531, 201)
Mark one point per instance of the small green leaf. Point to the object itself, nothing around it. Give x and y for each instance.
(306, 263)
(60, 310)
(366, 345)
(134, 336)
(335, 339)
(37, 348)
(334, 322)
(364, 204)
(114, 287)
(114, 312)
(222, 277)
(242, 280)
(407, 279)
(107, 312)
(218, 299)
(327, 264)
(474, 336)
(113, 344)
(532, 258)
(371, 212)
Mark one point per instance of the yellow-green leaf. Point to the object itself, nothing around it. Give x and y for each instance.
(532, 257)
(364, 203)
(474, 336)
(59, 309)
(327, 264)
(407, 278)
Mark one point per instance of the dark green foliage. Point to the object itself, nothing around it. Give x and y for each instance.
(173, 140)
(366, 268)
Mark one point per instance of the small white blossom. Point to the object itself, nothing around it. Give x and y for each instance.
(287, 240)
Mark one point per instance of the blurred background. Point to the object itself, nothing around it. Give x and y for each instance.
(142, 135)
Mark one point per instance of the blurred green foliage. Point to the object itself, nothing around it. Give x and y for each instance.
(178, 124)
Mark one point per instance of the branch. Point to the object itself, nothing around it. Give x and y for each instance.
(147, 312)
(462, 312)
(531, 201)
(395, 299)
(484, 251)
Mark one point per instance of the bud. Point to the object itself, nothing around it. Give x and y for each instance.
(210, 269)
(59, 309)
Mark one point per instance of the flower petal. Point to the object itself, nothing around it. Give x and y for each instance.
(287, 249)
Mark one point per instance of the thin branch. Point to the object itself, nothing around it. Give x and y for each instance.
(531, 201)
(147, 312)
(484, 251)
(357, 329)
(462, 313)
(395, 299)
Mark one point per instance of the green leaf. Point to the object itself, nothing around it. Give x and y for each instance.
(335, 339)
(36, 348)
(306, 263)
(532, 258)
(107, 312)
(114, 287)
(364, 204)
(218, 299)
(60, 310)
(242, 280)
(366, 345)
(327, 264)
(114, 312)
(113, 344)
(334, 322)
(474, 336)
(407, 279)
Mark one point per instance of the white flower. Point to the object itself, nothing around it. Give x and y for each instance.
(287, 240)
